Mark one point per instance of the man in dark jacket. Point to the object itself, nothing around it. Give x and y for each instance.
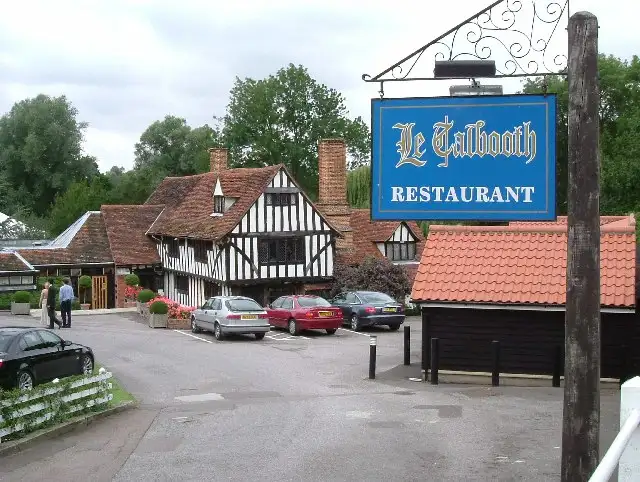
(51, 306)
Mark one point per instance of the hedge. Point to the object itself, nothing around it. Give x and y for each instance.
(159, 308)
(22, 297)
(132, 279)
(34, 300)
(145, 296)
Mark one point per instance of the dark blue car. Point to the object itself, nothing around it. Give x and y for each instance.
(369, 308)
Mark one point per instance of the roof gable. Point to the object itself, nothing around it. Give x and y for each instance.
(11, 261)
(523, 263)
(283, 179)
(367, 233)
(84, 242)
(126, 228)
(189, 202)
(402, 233)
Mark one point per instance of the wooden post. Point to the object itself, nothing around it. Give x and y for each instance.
(581, 414)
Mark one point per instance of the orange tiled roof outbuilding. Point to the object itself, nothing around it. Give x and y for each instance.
(523, 263)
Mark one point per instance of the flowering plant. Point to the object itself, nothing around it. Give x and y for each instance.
(131, 292)
(176, 310)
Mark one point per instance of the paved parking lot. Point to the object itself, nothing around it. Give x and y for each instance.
(294, 408)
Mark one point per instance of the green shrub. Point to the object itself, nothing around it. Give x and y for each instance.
(145, 296)
(57, 281)
(22, 297)
(158, 308)
(84, 283)
(75, 305)
(131, 279)
(5, 301)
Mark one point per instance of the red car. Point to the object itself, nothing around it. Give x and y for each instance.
(304, 312)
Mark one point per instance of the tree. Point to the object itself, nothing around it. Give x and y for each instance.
(172, 147)
(280, 119)
(41, 152)
(373, 274)
(359, 187)
(619, 133)
(82, 196)
(134, 186)
(21, 225)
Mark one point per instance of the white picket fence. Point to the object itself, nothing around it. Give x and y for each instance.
(95, 395)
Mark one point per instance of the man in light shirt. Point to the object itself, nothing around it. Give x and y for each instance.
(66, 298)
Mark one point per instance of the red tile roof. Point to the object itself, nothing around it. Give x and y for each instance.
(10, 261)
(126, 227)
(523, 263)
(367, 233)
(188, 201)
(86, 243)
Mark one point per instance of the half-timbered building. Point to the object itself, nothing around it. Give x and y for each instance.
(247, 231)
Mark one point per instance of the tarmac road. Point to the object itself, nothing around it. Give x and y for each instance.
(285, 409)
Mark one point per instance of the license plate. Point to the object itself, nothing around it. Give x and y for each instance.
(325, 313)
(389, 310)
(249, 317)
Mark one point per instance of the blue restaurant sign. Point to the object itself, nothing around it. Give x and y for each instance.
(489, 158)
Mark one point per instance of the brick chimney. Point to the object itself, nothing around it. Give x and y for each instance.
(332, 192)
(218, 159)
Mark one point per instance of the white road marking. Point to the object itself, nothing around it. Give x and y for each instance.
(202, 397)
(193, 336)
(354, 332)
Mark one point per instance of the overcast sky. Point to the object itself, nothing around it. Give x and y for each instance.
(127, 63)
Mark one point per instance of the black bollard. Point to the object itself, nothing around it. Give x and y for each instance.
(407, 345)
(557, 366)
(495, 374)
(435, 360)
(373, 341)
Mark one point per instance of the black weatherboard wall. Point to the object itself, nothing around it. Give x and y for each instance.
(527, 339)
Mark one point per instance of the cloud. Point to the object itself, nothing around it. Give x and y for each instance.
(126, 63)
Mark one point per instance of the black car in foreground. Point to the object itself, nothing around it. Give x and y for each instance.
(31, 356)
(369, 308)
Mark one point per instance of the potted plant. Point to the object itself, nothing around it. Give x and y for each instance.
(158, 314)
(21, 303)
(132, 279)
(143, 298)
(84, 284)
(132, 282)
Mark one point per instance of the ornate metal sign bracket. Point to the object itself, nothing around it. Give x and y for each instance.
(520, 31)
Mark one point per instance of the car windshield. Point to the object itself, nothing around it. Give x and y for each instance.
(376, 298)
(5, 340)
(311, 301)
(243, 305)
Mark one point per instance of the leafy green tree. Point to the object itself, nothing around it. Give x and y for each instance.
(375, 274)
(80, 197)
(134, 186)
(359, 187)
(172, 147)
(41, 152)
(619, 133)
(281, 118)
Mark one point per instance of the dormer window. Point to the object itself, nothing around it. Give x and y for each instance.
(218, 204)
(401, 251)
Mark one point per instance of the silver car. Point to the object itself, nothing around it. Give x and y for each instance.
(231, 314)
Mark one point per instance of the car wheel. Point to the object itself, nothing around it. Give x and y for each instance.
(217, 332)
(293, 327)
(25, 380)
(355, 323)
(331, 331)
(394, 327)
(194, 326)
(259, 336)
(86, 365)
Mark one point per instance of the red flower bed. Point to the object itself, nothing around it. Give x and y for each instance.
(176, 310)
(131, 292)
